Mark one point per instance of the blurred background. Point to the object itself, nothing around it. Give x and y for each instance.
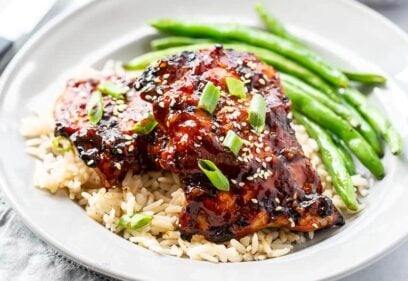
(31, 15)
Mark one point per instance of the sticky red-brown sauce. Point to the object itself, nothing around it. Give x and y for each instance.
(272, 183)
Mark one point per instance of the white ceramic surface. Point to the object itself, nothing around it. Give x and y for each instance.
(345, 32)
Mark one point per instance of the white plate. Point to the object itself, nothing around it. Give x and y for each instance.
(345, 32)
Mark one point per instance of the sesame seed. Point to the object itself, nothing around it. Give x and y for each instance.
(261, 81)
(233, 181)
(161, 104)
(254, 200)
(277, 200)
(118, 166)
(250, 178)
(90, 162)
(268, 159)
(241, 184)
(251, 65)
(167, 75)
(121, 107)
(131, 148)
(119, 151)
(315, 225)
(278, 208)
(292, 223)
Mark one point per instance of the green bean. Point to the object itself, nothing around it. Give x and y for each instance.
(259, 38)
(174, 41)
(279, 62)
(346, 111)
(365, 78)
(333, 161)
(376, 119)
(273, 24)
(277, 28)
(366, 130)
(347, 158)
(341, 110)
(331, 121)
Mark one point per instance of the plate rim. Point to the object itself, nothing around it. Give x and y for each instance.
(83, 260)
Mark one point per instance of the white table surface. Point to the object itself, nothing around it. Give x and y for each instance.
(394, 266)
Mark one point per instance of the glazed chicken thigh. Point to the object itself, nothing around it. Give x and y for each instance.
(111, 146)
(272, 183)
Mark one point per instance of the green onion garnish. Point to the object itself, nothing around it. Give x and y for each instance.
(209, 98)
(134, 221)
(214, 174)
(233, 142)
(236, 87)
(95, 107)
(257, 113)
(61, 144)
(146, 126)
(111, 89)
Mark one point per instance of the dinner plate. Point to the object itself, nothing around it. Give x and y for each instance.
(346, 33)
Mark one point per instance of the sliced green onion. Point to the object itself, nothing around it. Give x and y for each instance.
(61, 144)
(209, 98)
(146, 126)
(214, 174)
(236, 87)
(95, 107)
(233, 142)
(257, 113)
(134, 221)
(114, 90)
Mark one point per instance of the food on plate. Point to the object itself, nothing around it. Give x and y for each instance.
(191, 150)
(269, 181)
